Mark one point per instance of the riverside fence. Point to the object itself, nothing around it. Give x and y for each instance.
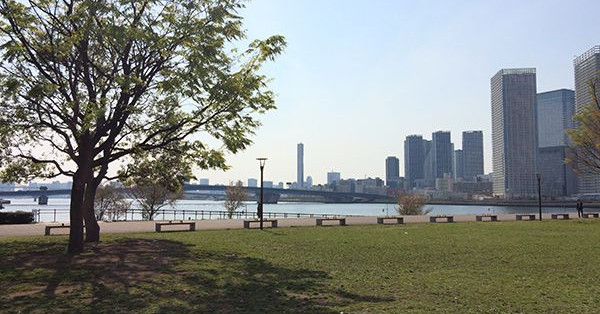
(55, 215)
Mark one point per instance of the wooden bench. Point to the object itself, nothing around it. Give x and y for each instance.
(48, 228)
(342, 221)
(381, 220)
(435, 218)
(563, 216)
(529, 216)
(590, 215)
(482, 217)
(273, 223)
(191, 224)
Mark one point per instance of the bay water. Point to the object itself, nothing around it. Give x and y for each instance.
(58, 209)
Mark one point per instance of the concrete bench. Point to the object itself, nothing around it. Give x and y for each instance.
(435, 218)
(273, 223)
(342, 221)
(398, 220)
(483, 217)
(528, 216)
(590, 215)
(49, 228)
(191, 224)
(563, 216)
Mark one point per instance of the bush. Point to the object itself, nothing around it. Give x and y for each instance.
(9, 218)
(412, 204)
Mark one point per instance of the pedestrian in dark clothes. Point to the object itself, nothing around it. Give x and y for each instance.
(579, 209)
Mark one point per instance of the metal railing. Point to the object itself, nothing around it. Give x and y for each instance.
(180, 214)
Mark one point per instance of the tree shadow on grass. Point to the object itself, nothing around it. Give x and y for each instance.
(149, 275)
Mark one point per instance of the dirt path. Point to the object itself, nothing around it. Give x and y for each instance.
(148, 226)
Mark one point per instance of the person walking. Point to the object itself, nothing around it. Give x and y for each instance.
(579, 207)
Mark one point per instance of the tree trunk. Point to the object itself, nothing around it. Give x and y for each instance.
(92, 229)
(76, 215)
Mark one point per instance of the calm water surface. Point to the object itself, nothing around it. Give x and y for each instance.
(190, 206)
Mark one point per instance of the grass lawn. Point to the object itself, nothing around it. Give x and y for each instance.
(528, 267)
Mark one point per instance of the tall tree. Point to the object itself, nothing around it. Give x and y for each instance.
(584, 152)
(85, 84)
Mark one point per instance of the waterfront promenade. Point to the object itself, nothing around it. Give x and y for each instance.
(208, 224)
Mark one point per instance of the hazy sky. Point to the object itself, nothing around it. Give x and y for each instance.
(357, 77)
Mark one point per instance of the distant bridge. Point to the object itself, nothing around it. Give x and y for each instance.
(271, 195)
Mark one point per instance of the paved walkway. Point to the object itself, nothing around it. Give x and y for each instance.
(148, 226)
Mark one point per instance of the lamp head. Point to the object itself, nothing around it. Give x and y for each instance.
(261, 161)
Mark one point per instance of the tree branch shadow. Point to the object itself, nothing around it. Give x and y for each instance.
(149, 275)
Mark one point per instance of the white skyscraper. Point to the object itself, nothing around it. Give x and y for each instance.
(300, 170)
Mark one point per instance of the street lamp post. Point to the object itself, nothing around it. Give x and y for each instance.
(261, 162)
(539, 179)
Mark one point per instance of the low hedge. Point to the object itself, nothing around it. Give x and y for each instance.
(19, 217)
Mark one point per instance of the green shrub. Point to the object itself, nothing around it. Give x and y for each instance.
(19, 217)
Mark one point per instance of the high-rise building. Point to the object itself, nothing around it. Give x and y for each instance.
(414, 159)
(587, 67)
(428, 179)
(392, 171)
(472, 147)
(555, 110)
(459, 168)
(442, 154)
(309, 182)
(333, 178)
(300, 165)
(514, 140)
(252, 183)
(204, 181)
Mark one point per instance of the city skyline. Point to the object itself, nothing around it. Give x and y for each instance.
(351, 92)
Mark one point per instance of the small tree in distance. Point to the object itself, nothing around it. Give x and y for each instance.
(234, 198)
(157, 180)
(153, 197)
(110, 203)
(412, 204)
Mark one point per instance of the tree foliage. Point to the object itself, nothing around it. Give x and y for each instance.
(584, 155)
(235, 195)
(85, 84)
(110, 203)
(412, 204)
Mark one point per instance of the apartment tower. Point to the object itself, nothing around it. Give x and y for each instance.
(514, 126)
(587, 67)
(300, 165)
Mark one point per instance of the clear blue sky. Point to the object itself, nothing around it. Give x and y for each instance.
(359, 76)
